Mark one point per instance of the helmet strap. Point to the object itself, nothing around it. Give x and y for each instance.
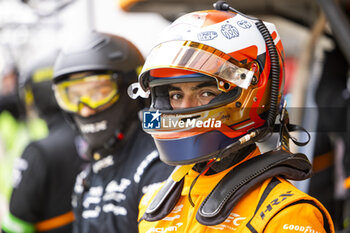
(284, 129)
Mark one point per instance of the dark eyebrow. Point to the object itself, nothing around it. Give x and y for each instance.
(205, 84)
(201, 85)
(173, 88)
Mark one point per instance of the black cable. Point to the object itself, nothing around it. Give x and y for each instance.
(274, 73)
(274, 69)
(209, 164)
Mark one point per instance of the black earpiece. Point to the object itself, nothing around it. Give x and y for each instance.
(221, 5)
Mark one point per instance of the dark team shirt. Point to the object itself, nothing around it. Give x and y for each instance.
(107, 193)
(44, 178)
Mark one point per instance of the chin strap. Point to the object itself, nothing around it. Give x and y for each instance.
(284, 129)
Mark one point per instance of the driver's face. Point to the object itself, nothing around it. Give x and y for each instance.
(192, 94)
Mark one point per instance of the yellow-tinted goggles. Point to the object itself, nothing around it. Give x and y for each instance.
(95, 91)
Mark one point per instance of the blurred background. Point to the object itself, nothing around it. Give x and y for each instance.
(315, 35)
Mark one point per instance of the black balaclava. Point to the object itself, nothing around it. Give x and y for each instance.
(104, 129)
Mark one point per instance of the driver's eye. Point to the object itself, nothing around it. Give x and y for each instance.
(209, 94)
(176, 96)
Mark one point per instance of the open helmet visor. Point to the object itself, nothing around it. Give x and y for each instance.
(200, 58)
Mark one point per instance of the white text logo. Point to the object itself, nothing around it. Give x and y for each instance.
(95, 127)
(307, 229)
(165, 229)
(191, 123)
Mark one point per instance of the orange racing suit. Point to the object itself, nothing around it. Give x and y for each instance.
(274, 205)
